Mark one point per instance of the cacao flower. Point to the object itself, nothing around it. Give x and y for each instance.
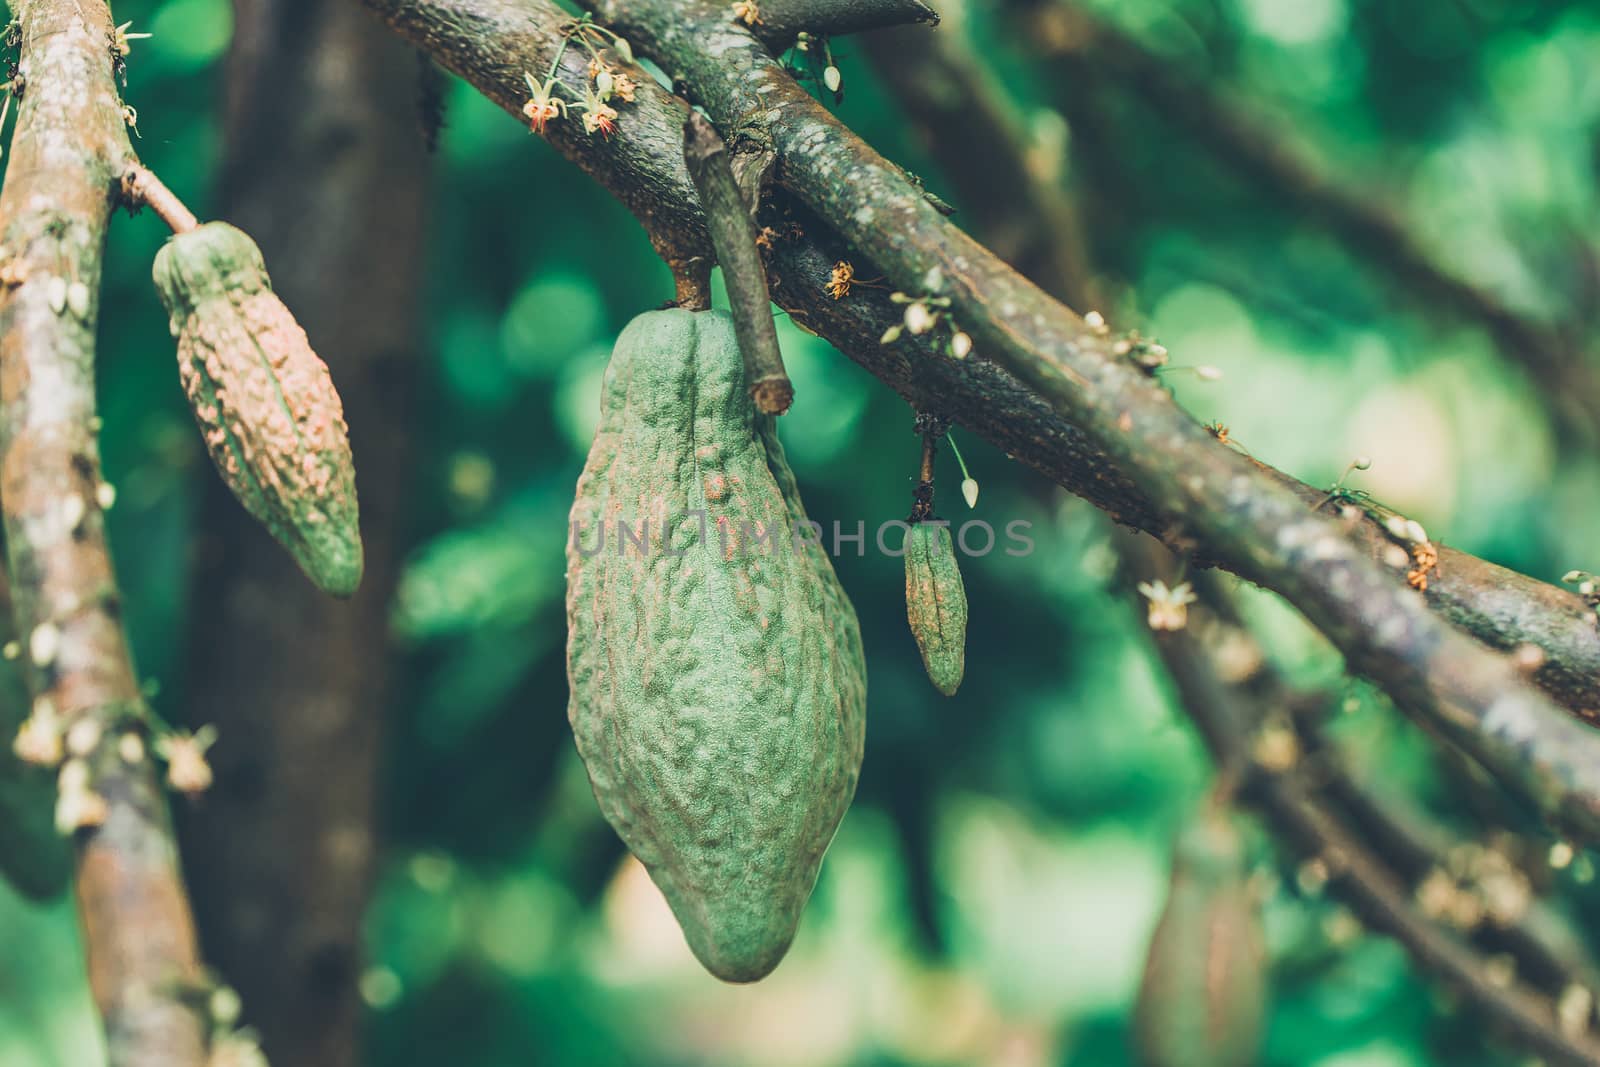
(263, 400)
(1203, 995)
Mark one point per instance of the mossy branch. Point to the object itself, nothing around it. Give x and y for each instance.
(69, 148)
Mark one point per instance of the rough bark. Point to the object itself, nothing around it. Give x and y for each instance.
(1261, 529)
(491, 42)
(326, 167)
(67, 154)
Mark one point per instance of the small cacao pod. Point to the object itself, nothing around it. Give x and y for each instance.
(718, 689)
(1203, 996)
(936, 603)
(264, 401)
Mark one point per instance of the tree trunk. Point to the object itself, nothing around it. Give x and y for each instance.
(326, 168)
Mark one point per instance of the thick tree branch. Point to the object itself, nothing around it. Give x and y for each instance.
(491, 42)
(68, 152)
(734, 236)
(1364, 221)
(782, 20)
(1260, 528)
(1300, 798)
(1128, 447)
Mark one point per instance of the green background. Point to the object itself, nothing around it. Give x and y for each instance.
(989, 896)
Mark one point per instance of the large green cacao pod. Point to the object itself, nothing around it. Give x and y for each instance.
(936, 603)
(718, 697)
(263, 399)
(1202, 999)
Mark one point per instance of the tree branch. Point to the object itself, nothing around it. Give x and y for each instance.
(783, 20)
(69, 149)
(1170, 473)
(282, 854)
(734, 236)
(1261, 529)
(1298, 797)
(1360, 219)
(491, 42)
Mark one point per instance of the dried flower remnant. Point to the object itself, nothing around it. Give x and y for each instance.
(747, 12)
(264, 402)
(839, 279)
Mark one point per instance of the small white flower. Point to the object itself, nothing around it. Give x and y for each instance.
(43, 644)
(1208, 373)
(83, 736)
(961, 344)
(1168, 608)
(105, 494)
(969, 490)
(831, 78)
(918, 318)
(1095, 321)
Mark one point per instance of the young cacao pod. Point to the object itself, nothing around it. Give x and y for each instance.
(936, 603)
(1203, 997)
(718, 687)
(263, 400)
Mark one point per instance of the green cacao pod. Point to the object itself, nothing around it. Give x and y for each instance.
(936, 603)
(718, 687)
(263, 400)
(1203, 996)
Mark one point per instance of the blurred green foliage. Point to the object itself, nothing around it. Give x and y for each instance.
(988, 899)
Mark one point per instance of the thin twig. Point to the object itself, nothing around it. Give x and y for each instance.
(733, 234)
(141, 188)
(69, 148)
(491, 42)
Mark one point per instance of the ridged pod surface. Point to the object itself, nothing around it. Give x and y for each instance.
(718, 690)
(936, 603)
(264, 401)
(1203, 997)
